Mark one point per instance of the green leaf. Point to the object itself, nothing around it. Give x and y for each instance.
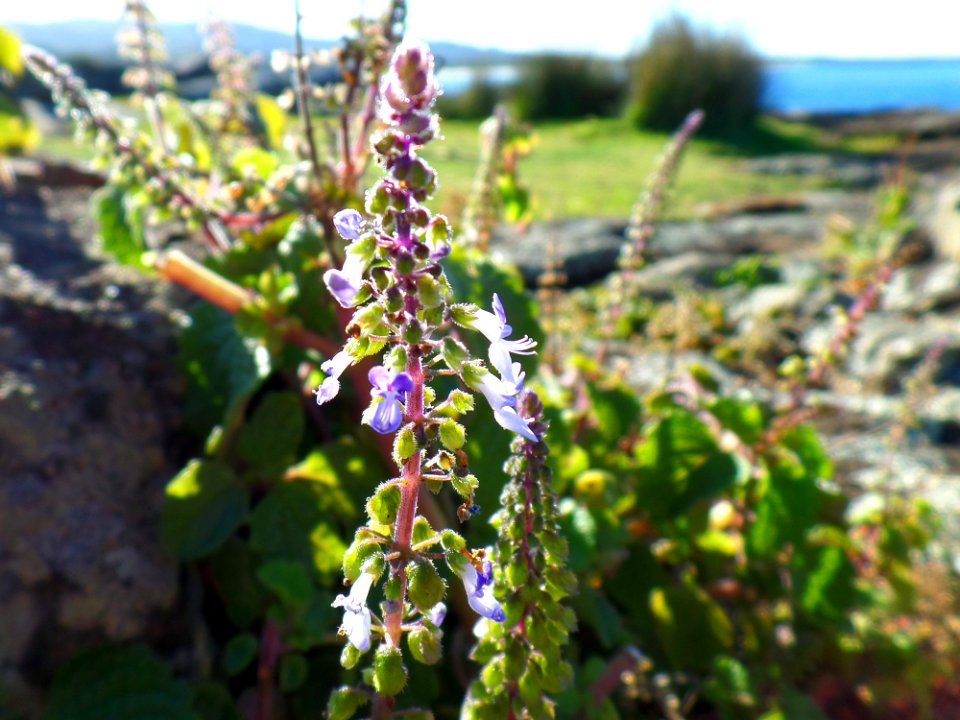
(203, 505)
(273, 117)
(234, 570)
(222, 367)
(263, 161)
(119, 224)
(785, 511)
(824, 579)
(692, 628)
(289, 580)
(121, 683)
(269, 440)
(239, 652)
(212, 701)
(10, 53)
(293, 671)
(292, 523)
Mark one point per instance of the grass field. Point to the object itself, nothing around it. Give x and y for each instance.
(598, 166)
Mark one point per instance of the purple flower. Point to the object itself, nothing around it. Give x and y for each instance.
(389, 390)
(502, 396)
(334, 368)
(479, 587)
(348, 224)
(356, 614)
(437, 613)
(496, 329)
(345, 284)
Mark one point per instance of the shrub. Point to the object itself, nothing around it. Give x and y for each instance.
(476, 101)
(562, 86)
(683, 68)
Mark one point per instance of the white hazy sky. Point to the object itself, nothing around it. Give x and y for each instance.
(830, 28)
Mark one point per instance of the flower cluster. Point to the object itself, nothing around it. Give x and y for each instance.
(526, 649)
(403, 315)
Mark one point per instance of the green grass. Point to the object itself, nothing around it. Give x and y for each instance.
(599, 166)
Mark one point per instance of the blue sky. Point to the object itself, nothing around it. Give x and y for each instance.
(830, 28)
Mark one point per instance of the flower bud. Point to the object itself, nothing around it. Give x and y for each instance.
(389, 674)
(425, 587)
(425, 645)
(404, 263)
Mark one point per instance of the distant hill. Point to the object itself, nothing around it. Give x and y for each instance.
(96, 40)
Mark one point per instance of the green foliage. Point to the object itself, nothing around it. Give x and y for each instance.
(683, 68)
(204, 504)
(555, 87)
(121, 683)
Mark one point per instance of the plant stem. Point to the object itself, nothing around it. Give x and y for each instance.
(409, 492)
(269, 654)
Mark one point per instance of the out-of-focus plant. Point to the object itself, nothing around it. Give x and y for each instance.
(553, 87)
(17, 132)
(684, 67)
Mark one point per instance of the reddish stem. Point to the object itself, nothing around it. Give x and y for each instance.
(409, 493)
(269, 654)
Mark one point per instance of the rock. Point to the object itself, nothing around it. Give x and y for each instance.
(89, 418)
(850, 172)
(917, 289)
(888, 346)
(943, 221)
(768, 300)
(691, 268)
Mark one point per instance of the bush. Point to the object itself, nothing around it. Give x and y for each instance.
(553, 87)
(477, 101)
(685, 67)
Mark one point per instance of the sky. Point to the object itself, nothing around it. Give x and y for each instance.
(776, 28)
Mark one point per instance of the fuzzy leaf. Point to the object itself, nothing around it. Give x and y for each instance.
(269, 440)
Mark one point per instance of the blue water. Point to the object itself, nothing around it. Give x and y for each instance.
(861, 86)
(818, 85)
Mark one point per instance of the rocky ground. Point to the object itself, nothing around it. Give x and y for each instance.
(89, 393)
(89, 403)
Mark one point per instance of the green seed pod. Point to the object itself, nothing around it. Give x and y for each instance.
(463, 314)
(425, 587)
(378, 200)
(383, 505)
(389, 674)
(422, 530)
(425, 645)
(359, 552)
(350, 656)
(454, 354)
(394, 301)
(404, 263)
(428, 290)
(452, 541)
(404, 445)
(391, 588)
(452, 434)
(344, 703)
(412, 332)
(438, 231)
(464, 486)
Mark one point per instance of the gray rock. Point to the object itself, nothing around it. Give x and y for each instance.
(89, 416)
(889, 346)
(768, 300)
(921, 288)
(943, 220)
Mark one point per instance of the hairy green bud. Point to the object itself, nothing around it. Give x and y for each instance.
(425, 587)
(389, 673)
(382, 506)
